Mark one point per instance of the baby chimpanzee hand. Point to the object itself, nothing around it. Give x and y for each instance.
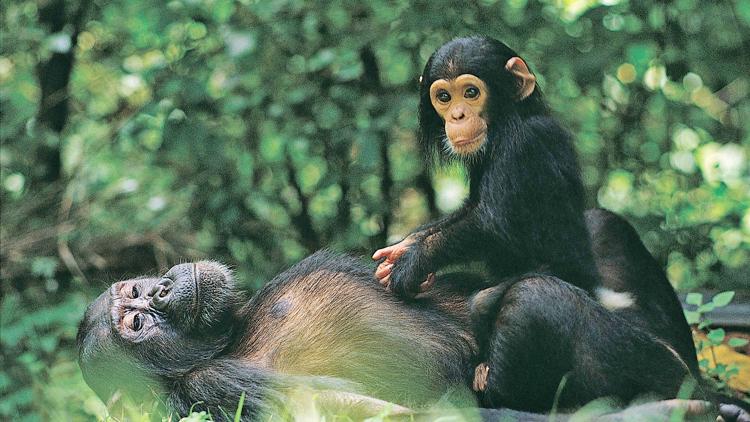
(397, 270)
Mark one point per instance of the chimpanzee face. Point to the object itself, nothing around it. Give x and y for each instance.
(134, 314)
(461, 102)
(183, 299)
(150, 327)
(467, 86)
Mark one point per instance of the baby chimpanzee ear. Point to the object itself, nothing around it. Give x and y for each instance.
(525, 79)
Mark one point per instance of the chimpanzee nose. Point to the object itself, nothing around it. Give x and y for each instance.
(159, 293)
(458, 113)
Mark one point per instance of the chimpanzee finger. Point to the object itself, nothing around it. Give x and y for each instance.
(383, 270)
(383, 252)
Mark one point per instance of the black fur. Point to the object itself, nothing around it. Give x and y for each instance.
(526, 202)
(627, 266)
(548, 332)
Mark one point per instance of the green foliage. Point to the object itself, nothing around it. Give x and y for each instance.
(255, 132)
(198, 417)
(719, 372)
(698, 315)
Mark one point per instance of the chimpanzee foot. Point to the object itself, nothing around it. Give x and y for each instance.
(481, 373)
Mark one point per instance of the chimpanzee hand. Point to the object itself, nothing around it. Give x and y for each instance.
(389, 255)
(403, 253)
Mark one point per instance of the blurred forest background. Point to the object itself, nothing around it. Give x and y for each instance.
(138, 134)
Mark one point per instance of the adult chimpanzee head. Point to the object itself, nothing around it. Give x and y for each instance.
(144, 331)
(468, 86)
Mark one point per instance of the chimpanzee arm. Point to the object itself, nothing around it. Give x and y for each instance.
(528, 213)
(452, 243)
(390, 254)
(437, 225)
(218, 386)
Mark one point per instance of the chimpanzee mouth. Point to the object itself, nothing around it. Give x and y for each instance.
(467, 141)
(467, 145)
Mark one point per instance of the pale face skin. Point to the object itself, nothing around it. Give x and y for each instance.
(461, 103)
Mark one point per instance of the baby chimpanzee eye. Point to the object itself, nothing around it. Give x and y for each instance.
(471, 92)
(134, 292)
(443, 96)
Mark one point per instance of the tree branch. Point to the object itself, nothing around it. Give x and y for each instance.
(54, 77)
(302, 220)
(371, 82)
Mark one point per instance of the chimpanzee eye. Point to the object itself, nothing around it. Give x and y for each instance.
(443, 96)
(471, 92)
(137, 322)
(134, 292)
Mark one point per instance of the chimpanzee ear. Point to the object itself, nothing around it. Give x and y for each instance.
(525, 79)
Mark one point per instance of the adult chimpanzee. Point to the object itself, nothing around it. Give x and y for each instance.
(479, 103)
(324, 326)
(193, 337)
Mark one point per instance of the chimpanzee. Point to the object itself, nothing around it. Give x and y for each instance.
(194, 338)
(323, 328)
(525, 211)
(479, 103)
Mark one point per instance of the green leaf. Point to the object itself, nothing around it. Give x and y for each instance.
(716, 336)
(708, 307)
(737, 342)
(692, 317)
(743, 11)
(44, 266)
(694, 299)
(723, 298)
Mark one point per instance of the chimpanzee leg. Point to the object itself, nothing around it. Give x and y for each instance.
(551, 339)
